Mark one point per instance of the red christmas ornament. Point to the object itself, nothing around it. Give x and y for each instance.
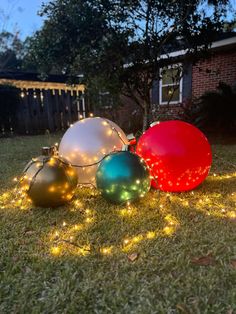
(178, 155)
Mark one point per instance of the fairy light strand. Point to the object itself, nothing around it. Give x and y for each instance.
(66, 163)
(63, 161)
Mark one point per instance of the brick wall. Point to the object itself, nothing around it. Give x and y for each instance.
(206, 74)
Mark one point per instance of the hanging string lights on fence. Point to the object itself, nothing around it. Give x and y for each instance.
(22, 94)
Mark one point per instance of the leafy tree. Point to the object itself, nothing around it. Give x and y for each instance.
(118, 43)
(11, 51)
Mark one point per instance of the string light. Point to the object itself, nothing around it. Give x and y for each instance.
(231, 214)
(55, 250)
(41, 96)
(125, 212)
(137, 239)
(83, 250)
(168, 230)
(77, 227)
(106, 250)
(151, 234)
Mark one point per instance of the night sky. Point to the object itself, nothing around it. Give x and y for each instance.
(20, 15)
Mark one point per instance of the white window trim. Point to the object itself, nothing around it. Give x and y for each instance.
(180, 87)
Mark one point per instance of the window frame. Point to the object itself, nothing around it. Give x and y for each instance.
(176, 65)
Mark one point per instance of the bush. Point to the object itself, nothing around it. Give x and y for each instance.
(215, 110)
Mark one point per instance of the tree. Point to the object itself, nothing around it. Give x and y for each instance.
(12, 48)
(11, 51)
(119, 43)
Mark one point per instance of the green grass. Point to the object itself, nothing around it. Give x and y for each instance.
(40, 272)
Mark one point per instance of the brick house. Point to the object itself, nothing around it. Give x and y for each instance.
(197, 78)
(181, 82)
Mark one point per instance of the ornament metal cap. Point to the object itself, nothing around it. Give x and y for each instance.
(154, 123)
(48, 151)
(130, 137)
(125, 148)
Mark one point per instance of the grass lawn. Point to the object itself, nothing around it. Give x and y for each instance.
(168, 253)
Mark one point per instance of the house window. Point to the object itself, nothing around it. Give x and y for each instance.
(171, 85)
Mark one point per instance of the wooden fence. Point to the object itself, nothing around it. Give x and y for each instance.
(39, 111)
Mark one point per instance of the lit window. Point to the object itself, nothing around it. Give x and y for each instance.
(171, 84)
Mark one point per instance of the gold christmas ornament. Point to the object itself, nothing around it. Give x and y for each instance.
(49, 181)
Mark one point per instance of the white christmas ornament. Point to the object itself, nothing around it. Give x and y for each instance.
(86, 143)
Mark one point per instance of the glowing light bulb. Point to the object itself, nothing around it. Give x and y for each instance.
(106, 250)
(55, 250)
(51, 189)
(168, 230)
(151, 235)
(77, 227)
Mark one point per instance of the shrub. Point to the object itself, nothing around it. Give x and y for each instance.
(214, 110)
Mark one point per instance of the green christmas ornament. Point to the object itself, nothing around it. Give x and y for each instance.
(49, 181)
(122, 177)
